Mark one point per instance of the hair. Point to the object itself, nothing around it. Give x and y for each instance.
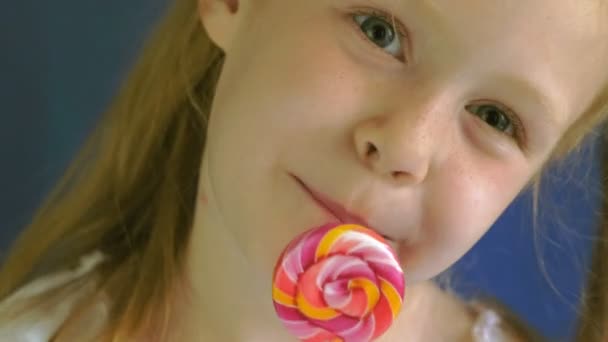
(593, 326)
(131, 190)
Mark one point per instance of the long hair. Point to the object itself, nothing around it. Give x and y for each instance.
(131, 191)
(593, 325)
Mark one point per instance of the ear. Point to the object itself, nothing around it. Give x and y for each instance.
(220, 19)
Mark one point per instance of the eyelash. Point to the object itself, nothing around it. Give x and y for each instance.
(518, 128)
(519, 133)
(394, 22)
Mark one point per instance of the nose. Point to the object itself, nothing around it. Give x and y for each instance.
(398, 148)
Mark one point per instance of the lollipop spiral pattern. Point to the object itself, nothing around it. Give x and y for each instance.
(338, 282)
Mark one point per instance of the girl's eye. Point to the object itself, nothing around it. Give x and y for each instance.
(381, 31)
(501, 120)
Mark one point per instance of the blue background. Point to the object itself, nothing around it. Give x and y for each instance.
(61, 62)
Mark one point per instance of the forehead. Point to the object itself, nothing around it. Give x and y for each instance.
(503, 12)
(559, 45)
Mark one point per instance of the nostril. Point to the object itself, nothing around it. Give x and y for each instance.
(371, 149)
(399, 174)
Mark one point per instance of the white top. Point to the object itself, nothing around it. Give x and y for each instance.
(487, 328)
(41, 323)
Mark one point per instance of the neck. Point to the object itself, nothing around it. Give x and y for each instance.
(229, 300)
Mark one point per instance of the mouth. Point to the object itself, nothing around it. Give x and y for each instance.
(334, 208)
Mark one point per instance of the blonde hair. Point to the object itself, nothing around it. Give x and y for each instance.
(131, 190)
(593, 325)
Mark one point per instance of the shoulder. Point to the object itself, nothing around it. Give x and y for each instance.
(37, 310)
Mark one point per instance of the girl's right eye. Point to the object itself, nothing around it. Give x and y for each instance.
(383, 31)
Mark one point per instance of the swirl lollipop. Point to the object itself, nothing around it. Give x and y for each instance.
(338, 282)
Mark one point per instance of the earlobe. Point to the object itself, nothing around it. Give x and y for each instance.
(219, 18)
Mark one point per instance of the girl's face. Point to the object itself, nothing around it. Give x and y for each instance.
(426, 132)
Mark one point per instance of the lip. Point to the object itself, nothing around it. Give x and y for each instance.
(336, 209)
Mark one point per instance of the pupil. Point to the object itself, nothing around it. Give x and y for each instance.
(493, 118)
(376, 30)
(379, 32)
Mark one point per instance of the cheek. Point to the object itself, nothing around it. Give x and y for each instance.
(461, 206)
(274, 99)
(296, 88)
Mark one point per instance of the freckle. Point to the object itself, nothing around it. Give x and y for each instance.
(203, 199)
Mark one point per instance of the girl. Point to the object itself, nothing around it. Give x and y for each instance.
(423, 118)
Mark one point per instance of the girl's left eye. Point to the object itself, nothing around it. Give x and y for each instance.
(386, 33)
(503, 121)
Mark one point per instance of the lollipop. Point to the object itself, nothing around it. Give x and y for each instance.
(338, 282)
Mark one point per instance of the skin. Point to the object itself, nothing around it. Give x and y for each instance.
(305, 92)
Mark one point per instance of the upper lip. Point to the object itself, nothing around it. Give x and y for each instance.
(335, 208)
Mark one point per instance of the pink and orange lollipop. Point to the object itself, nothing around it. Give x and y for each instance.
(338, 282)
